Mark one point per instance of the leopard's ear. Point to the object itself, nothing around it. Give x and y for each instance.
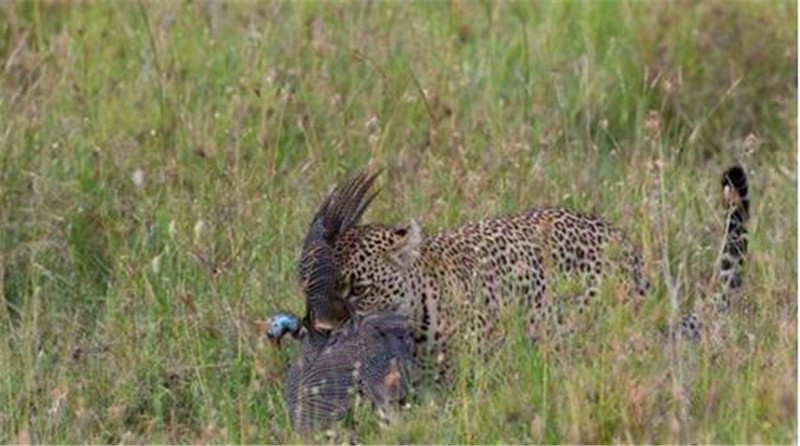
(408, 239)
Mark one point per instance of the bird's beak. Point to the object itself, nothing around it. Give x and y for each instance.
(263, 327)
(276, 341)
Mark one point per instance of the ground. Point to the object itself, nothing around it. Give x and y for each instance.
(159, 164)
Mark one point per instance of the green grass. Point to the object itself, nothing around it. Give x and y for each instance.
(159, 164)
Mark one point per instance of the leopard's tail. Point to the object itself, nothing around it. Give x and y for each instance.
(731, 262)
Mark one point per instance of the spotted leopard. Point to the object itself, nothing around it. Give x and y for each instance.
(352, 271)
(468, 274)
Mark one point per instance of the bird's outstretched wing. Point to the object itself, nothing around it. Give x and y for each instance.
(341, 210)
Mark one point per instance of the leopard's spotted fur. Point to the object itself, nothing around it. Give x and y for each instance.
(472, 272)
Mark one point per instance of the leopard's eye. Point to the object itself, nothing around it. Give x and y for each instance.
(357, 286)
(359, 289)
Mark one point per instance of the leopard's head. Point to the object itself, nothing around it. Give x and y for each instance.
(373, 262)
(345, 266)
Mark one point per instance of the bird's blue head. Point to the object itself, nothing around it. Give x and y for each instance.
(281, 324)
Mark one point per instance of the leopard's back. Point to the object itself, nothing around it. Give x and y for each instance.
(465, 277)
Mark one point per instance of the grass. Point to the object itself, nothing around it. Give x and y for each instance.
(159, 164)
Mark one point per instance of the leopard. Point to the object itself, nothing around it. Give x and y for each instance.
(460, 280)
